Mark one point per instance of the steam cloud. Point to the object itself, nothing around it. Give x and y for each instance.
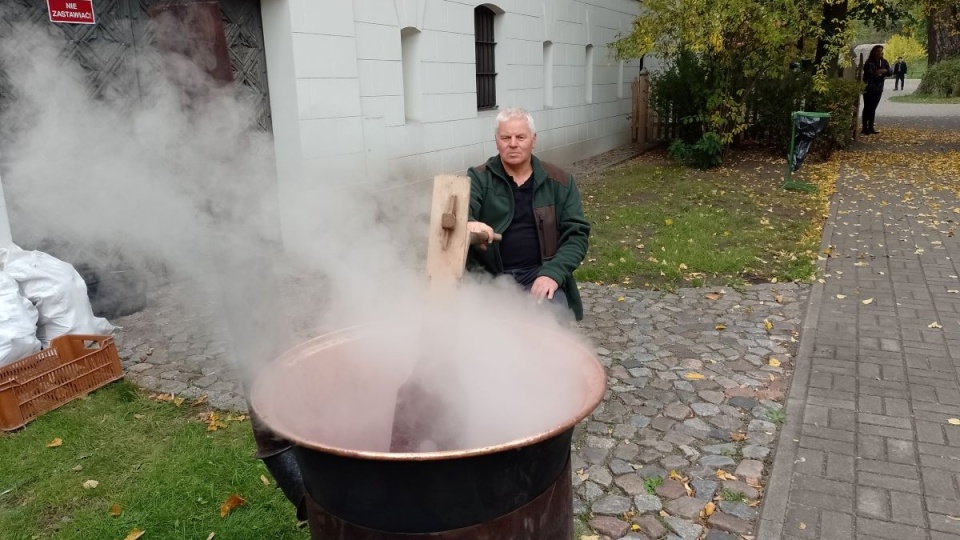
(183, 178)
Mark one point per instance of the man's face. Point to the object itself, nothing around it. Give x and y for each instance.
(515, 142)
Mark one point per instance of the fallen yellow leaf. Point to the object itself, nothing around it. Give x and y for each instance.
(774, 362)
(767, 324)
(712, 296)
(803, 525)
(737, 436)
(841, 296)
(234, 501)
(724, 475)
(867, 301)
(582, 475)
(720, 326)
(620, 299)
(265, 480)
(56, 443)
(134, 534)
(954, 421)
(934, 324)
(214, 422)
(694, 376)
(676, 476)
(634, 527)
(668, 221)
(708, 510)
(211, 535)
(90, 484)
(116, 510)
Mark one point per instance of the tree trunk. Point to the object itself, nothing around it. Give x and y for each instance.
(833, 24)
(943, 33)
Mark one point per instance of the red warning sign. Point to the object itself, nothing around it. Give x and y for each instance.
(71, 11)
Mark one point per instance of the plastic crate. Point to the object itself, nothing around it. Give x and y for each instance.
(72, 366)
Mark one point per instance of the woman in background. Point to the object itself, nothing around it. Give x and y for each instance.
(875, 71)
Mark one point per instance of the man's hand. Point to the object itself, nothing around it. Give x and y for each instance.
(544, 287)
(480, 227)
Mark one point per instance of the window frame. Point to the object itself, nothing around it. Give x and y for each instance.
(485, 45)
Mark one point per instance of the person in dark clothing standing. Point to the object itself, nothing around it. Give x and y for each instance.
(875, 71)
(899, 73)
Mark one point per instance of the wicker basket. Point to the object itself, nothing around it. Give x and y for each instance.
(74, 365)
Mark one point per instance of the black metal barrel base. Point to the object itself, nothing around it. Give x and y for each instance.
(549, 516)
(414, 496)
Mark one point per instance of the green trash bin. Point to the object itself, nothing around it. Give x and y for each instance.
(804, 127)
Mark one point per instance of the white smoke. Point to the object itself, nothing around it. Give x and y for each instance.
(183, 178)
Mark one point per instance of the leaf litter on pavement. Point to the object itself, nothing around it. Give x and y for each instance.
(930, 190)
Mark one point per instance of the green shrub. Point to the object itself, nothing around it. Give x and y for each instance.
(941, 79)
(704, 154)
(840, 99)
(680, 94)
(770, 104)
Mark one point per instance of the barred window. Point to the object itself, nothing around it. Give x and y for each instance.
(486, 64)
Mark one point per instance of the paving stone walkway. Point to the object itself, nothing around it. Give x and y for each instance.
(869, 449)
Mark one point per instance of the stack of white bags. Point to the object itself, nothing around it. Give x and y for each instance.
(41, 298)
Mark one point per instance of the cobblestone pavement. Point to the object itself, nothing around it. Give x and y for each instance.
(869, 449)
(695, 384)
(691, 389)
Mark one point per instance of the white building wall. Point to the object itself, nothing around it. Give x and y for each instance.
(340, 100)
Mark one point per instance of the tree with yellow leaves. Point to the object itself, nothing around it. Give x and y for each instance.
(724, 48)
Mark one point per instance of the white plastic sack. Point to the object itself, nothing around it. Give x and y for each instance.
(18, 323)
(57, 291)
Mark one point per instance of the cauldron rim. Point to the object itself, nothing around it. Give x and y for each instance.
(596, 383)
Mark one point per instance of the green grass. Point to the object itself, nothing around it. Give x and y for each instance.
(732, 496)
(915, 69)
(916, 98)
(166, 471)
(652, 483)
(777, 416)
(657, 225)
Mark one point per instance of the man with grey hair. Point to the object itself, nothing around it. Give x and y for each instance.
(536, 207)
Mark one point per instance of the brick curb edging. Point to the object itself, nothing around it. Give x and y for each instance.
(774, 510)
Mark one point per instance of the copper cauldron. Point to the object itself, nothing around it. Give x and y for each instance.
(333, 397)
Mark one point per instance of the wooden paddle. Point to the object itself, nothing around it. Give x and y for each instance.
(422, 421)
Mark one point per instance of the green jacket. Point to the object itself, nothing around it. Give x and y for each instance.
(563, 230)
